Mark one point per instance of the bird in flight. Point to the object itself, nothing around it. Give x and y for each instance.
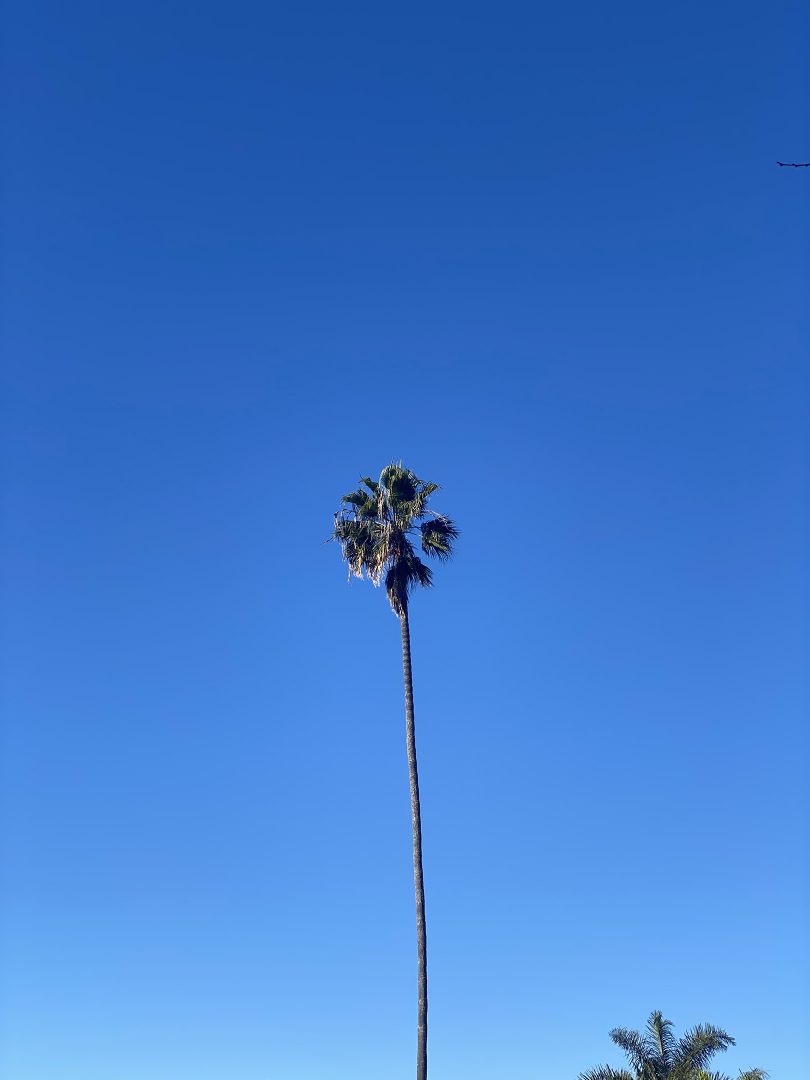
(794, 164)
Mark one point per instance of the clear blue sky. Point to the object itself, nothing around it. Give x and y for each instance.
(541, 253)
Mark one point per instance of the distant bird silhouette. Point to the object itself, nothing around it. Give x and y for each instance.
(794, 164)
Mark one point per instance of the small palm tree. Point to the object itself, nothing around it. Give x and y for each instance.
(376, 527)
(658, 1055)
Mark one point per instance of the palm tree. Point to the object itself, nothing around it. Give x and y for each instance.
(658, 1055)
(375, 526)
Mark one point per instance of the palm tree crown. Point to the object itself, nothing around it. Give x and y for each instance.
(376, 527)
(658, 1055)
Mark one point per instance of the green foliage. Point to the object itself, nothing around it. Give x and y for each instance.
(375, 528)
(604, 1072)
(658, 1055)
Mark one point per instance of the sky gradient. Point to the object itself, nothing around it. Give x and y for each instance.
(542, 254)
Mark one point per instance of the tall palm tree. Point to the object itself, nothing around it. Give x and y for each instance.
(658, 1055)
(376, 527)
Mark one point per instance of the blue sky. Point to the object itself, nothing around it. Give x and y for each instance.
(541, 253)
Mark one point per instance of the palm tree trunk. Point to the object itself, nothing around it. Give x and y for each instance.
(418, 881)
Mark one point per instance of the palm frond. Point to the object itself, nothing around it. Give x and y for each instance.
(605, 1072)
(438, 535)
(402, 488)
(698, 1046)
(749, 1074)
(403, 495)
(400, 483)
(420, 574)
(402, 577)
(389, 474)
(362, 545)
(355, 498)
(635, 1048)
(416, 508)
(660, 1037)
(371, 510)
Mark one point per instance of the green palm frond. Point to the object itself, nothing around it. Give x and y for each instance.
(438, 535)
(402, 577)
(697, 1047)
(400, 483)
(356, 498)
(660, 1037)
(605, 1072)
(634, 1047)
(407, 496)
(416, 508)
(363, 546)
(749, 1074)
(374, 528)
(402, 487)
(370, 510)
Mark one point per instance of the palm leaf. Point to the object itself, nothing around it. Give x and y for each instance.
(660, 1037)
(402, 577)
(605, 1072)
(698, 1046)
(438, 535)
(416, 507)
(635, 1048)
